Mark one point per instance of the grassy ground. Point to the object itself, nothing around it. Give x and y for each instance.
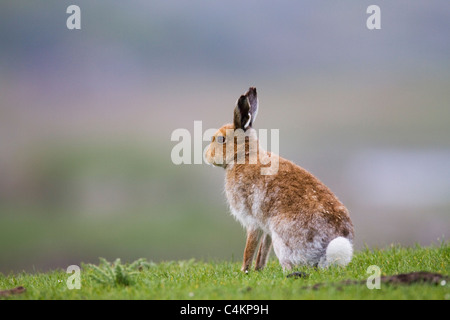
(223, 280)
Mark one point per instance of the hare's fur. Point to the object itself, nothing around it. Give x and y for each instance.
(292, 209)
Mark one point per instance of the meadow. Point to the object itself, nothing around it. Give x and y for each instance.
(223, 280)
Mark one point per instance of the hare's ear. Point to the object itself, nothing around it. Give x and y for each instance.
(246, 110)
(253, 100)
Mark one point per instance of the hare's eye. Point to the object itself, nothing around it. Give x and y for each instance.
(220, 139)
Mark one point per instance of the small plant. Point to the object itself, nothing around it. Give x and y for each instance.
(116, 273)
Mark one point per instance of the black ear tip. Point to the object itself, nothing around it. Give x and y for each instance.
(242, 99)
(251, 91)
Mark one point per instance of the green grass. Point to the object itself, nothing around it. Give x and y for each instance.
(223, 279)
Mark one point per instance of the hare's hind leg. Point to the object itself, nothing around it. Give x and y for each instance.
(282, 252)
(263, 253)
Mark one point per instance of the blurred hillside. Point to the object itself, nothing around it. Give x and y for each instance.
(86, 118)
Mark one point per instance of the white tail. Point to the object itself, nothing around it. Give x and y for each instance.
(339, 252)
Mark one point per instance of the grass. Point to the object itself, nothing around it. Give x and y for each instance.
(191, 279)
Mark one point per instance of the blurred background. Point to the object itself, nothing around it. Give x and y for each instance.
(86, 118)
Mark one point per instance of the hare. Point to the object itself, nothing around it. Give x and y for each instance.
(288, 208)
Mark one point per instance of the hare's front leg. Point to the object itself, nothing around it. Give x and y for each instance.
(253, 236)
(263, 253)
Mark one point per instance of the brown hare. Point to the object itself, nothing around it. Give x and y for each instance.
(287, 207)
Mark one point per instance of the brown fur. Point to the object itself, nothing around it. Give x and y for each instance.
(292, 205)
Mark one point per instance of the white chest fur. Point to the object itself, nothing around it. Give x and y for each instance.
(246, 208)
